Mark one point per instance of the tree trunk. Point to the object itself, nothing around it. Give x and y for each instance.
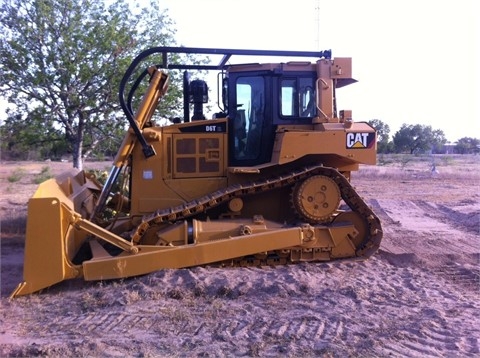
(77, 155)
(92, 148)
(78, 143)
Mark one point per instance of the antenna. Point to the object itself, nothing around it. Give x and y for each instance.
(317, 22)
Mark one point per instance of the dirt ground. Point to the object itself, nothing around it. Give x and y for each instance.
(417, 296)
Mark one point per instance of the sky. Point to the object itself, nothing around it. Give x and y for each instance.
(416, 60)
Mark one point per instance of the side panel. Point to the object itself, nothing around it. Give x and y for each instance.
(190, 162)
(355, 145)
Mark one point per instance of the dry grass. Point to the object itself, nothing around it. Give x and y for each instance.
(401, 166)
(18, 182)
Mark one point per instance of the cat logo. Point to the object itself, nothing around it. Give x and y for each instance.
(360, 140)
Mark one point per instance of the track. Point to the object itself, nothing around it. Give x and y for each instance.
(373, 234)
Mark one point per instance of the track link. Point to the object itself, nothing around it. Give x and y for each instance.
(369, 246)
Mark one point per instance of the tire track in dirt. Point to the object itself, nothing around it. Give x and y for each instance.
(465, 220)
(380, 306)
(116, 322)
(420, 227)
(465, 275)
(425, 341)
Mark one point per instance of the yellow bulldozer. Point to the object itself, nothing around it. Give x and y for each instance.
(265, 181)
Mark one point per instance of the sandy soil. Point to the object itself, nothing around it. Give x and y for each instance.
(418, 296)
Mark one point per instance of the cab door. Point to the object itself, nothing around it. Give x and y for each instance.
(251, 129)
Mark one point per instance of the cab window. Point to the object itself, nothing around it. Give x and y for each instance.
(249, 118)
(297, 97)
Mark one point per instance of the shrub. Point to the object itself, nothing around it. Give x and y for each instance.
(16, 175)
(43, 175)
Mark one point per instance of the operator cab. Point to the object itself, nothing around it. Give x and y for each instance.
(259, 98)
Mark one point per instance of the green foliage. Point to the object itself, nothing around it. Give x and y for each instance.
(417, 139)
(44, 174)
(16, 175)
(120, 186)
(31, 139)
(116, 203)
(383, 129)
(62, 62)
(100, 175)
(467, 145)
(383, 135)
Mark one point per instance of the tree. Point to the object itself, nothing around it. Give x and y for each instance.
(467, 145)
(34, 139)
(61, 62)
(417, 138)
(383, 135)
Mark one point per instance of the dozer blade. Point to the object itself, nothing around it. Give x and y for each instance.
(51, 240)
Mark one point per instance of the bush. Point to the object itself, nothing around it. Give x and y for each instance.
(16, 175)
(43, 175)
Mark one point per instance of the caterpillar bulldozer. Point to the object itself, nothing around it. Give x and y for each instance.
(265, 181)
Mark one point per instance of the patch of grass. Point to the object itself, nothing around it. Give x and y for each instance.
(384, 159)
(16, 175)
(447, 160)
(404, 160)
(91, 300)
(44, 174)
(131, 297)
(397, 165)
(419, 171)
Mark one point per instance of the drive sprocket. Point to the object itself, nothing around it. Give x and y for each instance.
(316, 199)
